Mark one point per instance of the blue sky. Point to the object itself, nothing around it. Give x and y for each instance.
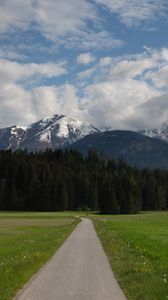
(101, 61)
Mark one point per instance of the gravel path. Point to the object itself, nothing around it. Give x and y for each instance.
(79, 270)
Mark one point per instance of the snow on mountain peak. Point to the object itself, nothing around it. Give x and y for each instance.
(59, 131)
(68, 129)
(53, 132)
(15, 129)
(158, 133)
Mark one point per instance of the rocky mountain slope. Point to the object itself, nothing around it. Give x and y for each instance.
(53, 132)
(11, 137)
(157, 133)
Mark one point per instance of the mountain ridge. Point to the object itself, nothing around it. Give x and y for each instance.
(136, 149)
(160, 133)
(146, 148)
(53, 132)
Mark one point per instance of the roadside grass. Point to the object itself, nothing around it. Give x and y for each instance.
(37, 215)
(27, 241)
(137, 248)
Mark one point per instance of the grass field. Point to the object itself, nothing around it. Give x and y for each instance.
(137, 247)
(27, 241)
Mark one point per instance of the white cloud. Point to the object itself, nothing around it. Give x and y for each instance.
(159, 77)
(151, 65)
(112, 103)
(85, 58)
(150, 114)
(65, 17)
(127, 68)
(125, 92)
(89, 39)
(51, 17)
(16, 14)
(105, 61)
(86, 74)
(66, 23)
(69, 16)
(20, 106)
(11, 54)
(119, 96)
(12, 71)
(53, 99)
(18, 103)
(134, 12)
(95, 40)
(164, 54)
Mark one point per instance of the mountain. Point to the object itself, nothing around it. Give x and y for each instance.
(53, 132)
(147, 148)
(157, 133)
(11, 137)
(133, 147)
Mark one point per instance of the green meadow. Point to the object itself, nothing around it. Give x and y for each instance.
(136, 245)
(27, 241)
(137, 248)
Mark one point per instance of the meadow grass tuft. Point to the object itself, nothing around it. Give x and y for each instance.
(27, 241)
(137, 248)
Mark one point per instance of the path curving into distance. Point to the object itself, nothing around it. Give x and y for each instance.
(79, 270)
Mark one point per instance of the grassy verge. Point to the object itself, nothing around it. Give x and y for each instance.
(137, 247)
(27, 241)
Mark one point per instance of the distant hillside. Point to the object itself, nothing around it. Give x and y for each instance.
(133, 147)
(147, 148)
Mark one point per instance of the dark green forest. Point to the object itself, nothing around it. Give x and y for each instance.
(65, 180)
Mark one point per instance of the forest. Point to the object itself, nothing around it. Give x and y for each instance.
(65, 180)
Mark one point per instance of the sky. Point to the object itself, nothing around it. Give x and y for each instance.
(100, 61)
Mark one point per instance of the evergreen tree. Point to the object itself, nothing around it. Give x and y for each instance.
(65, 180)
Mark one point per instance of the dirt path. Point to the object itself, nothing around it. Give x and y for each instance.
(79, 270)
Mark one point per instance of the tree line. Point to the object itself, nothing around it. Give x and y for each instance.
(65, 180)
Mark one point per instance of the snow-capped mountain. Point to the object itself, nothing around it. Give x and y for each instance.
(53, 132)
(58, 131)
(157, 133)
(11, 137)
(143, 149)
